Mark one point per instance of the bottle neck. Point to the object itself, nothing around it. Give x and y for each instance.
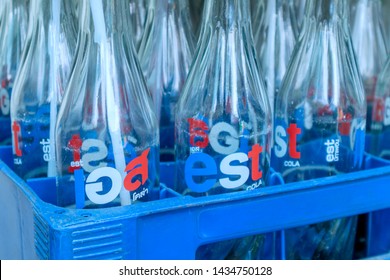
(9, 5)
(368, 11)
(49, 14)
(327, 11)
(161, 7)
(103, 18)
(40, 12)
(226, 14)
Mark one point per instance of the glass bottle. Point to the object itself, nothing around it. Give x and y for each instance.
(223, 120)
(275, 31)
(106, 134)
(320, 118)
(165, 55)
(39, 85)
(370, 47)
(13, 28)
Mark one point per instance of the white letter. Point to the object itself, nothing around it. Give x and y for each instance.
(231, 140)
(89, 157)
(281, 145)
(92, 187)
(239, 170)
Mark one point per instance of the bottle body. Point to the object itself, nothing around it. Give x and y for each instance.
(217, 115)
(39, 86)
(107, 134)
(320, 117)
(223, 119)
(12, 36)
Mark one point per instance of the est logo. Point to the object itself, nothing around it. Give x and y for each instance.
(233, 166)
(89, 155)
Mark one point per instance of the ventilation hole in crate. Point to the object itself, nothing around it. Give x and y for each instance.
(86, 215)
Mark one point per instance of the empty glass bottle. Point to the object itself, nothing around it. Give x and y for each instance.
(275, 31)
(223, 120)
(13, 28)
(320, 117)
(107, 133)
(40, 84)
(370, 47)
(166, 54)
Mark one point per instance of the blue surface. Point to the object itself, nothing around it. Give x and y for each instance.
(174, 227)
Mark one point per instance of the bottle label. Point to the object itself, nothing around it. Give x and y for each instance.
(31, 143)
(220, 155)
(305, 154)
(286, 144)
(103, 182)
(332, 150)
(17, 150)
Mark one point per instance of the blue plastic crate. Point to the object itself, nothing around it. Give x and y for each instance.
(175, 226)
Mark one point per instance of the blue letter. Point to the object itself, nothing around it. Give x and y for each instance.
(209, 168)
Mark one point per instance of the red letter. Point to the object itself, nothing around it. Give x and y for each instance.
(293, 131)
(75, 144)
(16, 129)
(138, 166)
(197, 129)
(254, 154)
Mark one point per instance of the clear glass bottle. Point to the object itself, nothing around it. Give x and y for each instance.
(40, 84)
(274, 32)
(106, 134)
(223, 120)
(320, 117)
(166, 54)
(370, 47)
(13, 28)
